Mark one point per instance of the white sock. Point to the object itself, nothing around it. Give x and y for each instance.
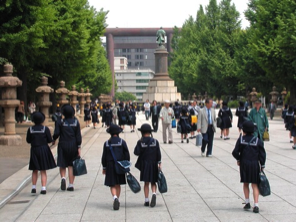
(71, 185)
(247, 201)
(115, 197)
(64, 178)
(43, 188)
(146, 199)
(33, 186)
(256, 205)
(153, 193)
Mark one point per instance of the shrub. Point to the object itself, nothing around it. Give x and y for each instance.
(233, 104)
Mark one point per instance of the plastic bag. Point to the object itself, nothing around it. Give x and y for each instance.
(198, 140)
(161, 182)
(266, 136)
(79, 167)
(264, 187)
(174, 123)
(133, 183)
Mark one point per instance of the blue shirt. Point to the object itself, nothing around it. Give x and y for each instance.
(209, 115)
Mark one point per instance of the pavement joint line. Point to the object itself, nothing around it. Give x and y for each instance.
(24, 183)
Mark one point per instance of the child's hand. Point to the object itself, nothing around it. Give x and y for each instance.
(104, 172)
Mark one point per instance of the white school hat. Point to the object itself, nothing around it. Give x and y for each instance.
(167, 101)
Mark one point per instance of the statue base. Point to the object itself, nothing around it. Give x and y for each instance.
(11, 140)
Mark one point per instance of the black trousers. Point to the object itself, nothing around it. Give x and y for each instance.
(155, 120)
(208, 138)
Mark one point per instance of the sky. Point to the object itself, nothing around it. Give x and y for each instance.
(155, 13)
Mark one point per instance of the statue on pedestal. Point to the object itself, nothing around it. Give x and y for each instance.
(160, 37)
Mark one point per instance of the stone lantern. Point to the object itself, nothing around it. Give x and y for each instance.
(253, 95)
(206, 95)
(81, 101)
(194, 96)
(284, 93)
(87, 97)
(274, 95)
(9, 102)
(62, 92)
(73, 97)
(199, 96)
(44, 103)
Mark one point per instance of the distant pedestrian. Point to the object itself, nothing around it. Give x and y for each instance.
(120, 149)
(147, 109)
(103, 114)
(226, 116)
(69, 147)
(149, 162)
(184, 124)
(108, 115)
(132, 118)
(207, 126)
(290, 125)
(250, 155)
(177, 110)
(87, 116)
(114, 114)
(166, 115)
(41, 158)
(20, 112)
(122, 116)
(193, 117)
(259, 118)
(155, 112)
(271, 109)
(94, 116)
(57, 116)
(284, 111)
(242, 114)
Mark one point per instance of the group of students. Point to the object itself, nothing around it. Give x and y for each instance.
(289, 116)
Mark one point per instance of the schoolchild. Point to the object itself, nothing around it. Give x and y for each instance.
(284, 111)
(57, 116)
(69, 147)
(87, 116)
(108, 115)
(149, 162)
(122, 116)
(103, 114)
(250, 155)
(41, 158)
(120, 149)
(132, 118)
(192, 119)
(177, 110)
(242, 114)
(94, 116)
(184, 123)
(226, 116)
(289, 123)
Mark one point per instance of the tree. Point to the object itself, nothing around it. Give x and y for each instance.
(125, 96)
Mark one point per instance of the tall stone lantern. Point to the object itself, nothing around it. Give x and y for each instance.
(194, 96)
(274, 95)
(81, 101)
(284, 94)
(44, 103)
(87, 97)
(62, 92)
(73, 97)
(253, 95)
(9, 102)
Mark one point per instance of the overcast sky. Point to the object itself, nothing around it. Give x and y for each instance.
(155, 13)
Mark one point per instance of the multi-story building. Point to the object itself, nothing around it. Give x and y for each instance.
(120, 63)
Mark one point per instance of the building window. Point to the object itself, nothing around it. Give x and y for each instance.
(121, 67)
(141, 87)
(139, 57)
(142, 74)
(128, 57)
(126, 50)
(142, 81)
(139, 94)
(139, 50)
(121, 61)
(146, 56)
(129, 64)
(139, 64)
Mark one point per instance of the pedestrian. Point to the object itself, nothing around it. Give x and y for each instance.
(94, 116)
(290, 124)
(69, 147)
(166, 115)
(250, 155)
(284, 111)
(149, 162)
(32, 108)
(87, 116)
(120, 149)
(242, 114)
(41, 158)
(20, 112)
(177, 110)
(154, 112)
(114, 114)
(193, 117)
(271, 109)
(57, 116)
(147, 109)
(226, 116)
(122, 116)
(108, 115)
(184, 124)
(207, 126)
(259, 118)
(103, 114)
(132, 118)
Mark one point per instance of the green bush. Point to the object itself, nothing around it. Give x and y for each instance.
(233, 104)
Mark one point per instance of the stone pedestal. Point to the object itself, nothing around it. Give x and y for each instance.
(161, 87)
(274, 95)
(9, 102)
(253, 96)
(73, 97)
(87, 97)
(44, 103)
(62, 92)
(81, 101)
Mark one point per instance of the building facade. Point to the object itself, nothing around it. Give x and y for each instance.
(120, 63)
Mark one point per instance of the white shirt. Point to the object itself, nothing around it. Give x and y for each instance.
(147, 106)
(164, 113)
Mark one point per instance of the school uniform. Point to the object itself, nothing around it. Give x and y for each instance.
(94, 116)
(226, 116)
(177, 111)
(86, 114)
(68, 130)
(184, 122)
(290, 123)
(241, 113)
(108, 116)
(132, 117)
(41, 157)
(121, 152)
(193, 125)
(148, 159)
(122, 116)
(103, 114)
(249, 156)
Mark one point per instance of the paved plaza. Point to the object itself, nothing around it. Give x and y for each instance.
(199, 188)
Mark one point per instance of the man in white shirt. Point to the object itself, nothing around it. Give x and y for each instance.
(147, 109)
(166, 115)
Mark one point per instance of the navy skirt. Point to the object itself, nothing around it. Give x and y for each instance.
(111, 177)
(67, 153)
(41, 158)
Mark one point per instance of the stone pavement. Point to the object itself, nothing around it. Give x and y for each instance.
(200, 188)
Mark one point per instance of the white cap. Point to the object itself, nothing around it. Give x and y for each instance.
(167, 101)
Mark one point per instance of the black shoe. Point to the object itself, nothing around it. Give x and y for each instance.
(164, 142)
(170, 142)
(187, 140)
(153, 201)
(70, 189)
(247, 206)
(116, 204)
(182, 141)
(63, 184)
(33, 191)
(256, 210)
(43, 192)
(146, 204)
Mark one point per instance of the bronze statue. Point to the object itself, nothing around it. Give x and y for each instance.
(160, 37)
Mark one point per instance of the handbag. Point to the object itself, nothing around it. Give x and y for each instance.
(121, 167)
(194, 119)
(133, 183)
(198, 140)
(264, 187)
(219, 122)
(130, 118)
(161, 182)
(174, 123)
(266, 136)
(123, 118)
(79, 167)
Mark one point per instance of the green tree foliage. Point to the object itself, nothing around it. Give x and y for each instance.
(125, 96)
(273, 42)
